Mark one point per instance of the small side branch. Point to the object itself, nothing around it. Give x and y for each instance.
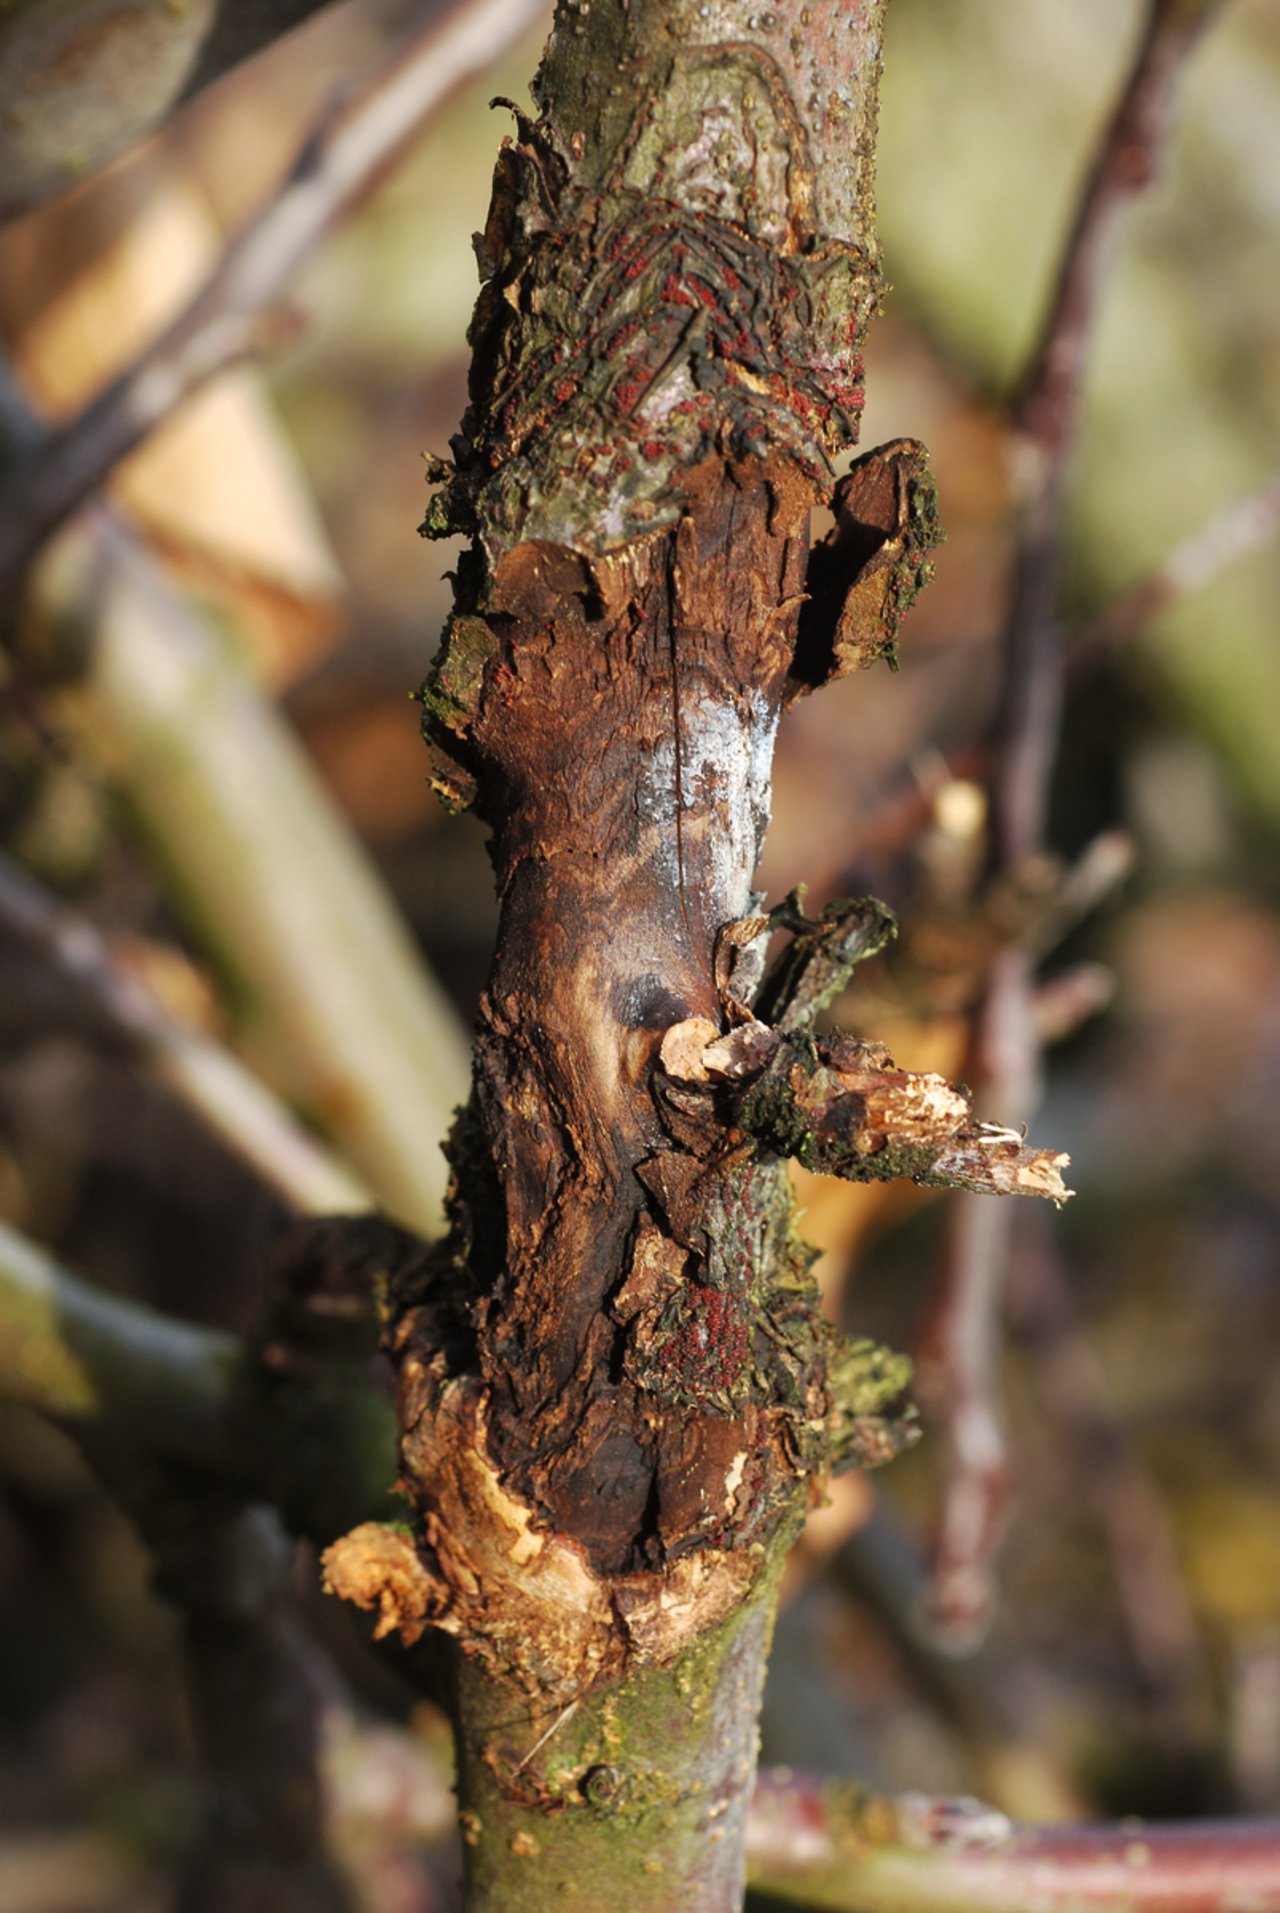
(831, 1846)
(840, 1108)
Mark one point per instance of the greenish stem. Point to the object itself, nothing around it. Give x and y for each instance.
(830, 1847)
(641, 1788)
(336, 1003)
(77, 1353)
(320, 1442)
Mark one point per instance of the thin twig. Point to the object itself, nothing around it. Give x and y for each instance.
(1232, 533)
(356, 139)
(959, 1357)
(1047, 415)
(1004, 1060)
(827, 1845)
(332, 996)
(234, 1103)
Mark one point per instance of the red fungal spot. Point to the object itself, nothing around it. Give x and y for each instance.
(713, 1343)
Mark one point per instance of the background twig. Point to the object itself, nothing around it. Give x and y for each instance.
(321, 1444)
(1230, 534)
(335, 1003)
(352, 145)
(962, 1349)
(828, 1846)
(121, 1006)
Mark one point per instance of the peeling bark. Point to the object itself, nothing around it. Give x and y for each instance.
(616, 1391)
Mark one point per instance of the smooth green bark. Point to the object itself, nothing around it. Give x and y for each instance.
(636, 1795)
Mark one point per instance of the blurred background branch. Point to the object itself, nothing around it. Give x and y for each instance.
(348, 150)
(106, 989)
(833, 1848)
(962, 1351)
(317, 1440)
(1229, 535)
(333, 998)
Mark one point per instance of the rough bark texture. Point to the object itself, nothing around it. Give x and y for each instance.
(616, 1389)
(665, 362)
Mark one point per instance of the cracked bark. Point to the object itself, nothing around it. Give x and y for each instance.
(615, 1388)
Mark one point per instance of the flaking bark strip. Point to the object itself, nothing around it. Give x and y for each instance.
(868, 571)
(839, 1106)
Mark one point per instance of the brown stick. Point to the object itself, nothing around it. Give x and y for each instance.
(1005, 1061)
(352, 145)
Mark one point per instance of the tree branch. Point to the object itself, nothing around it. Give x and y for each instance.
(833, 1848)
(78, 1354)
(122, 1008)
(839, 1107)
(1231, 533)
(313, 1436)
(331, 993)
(352, 145)
(1047, 412)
